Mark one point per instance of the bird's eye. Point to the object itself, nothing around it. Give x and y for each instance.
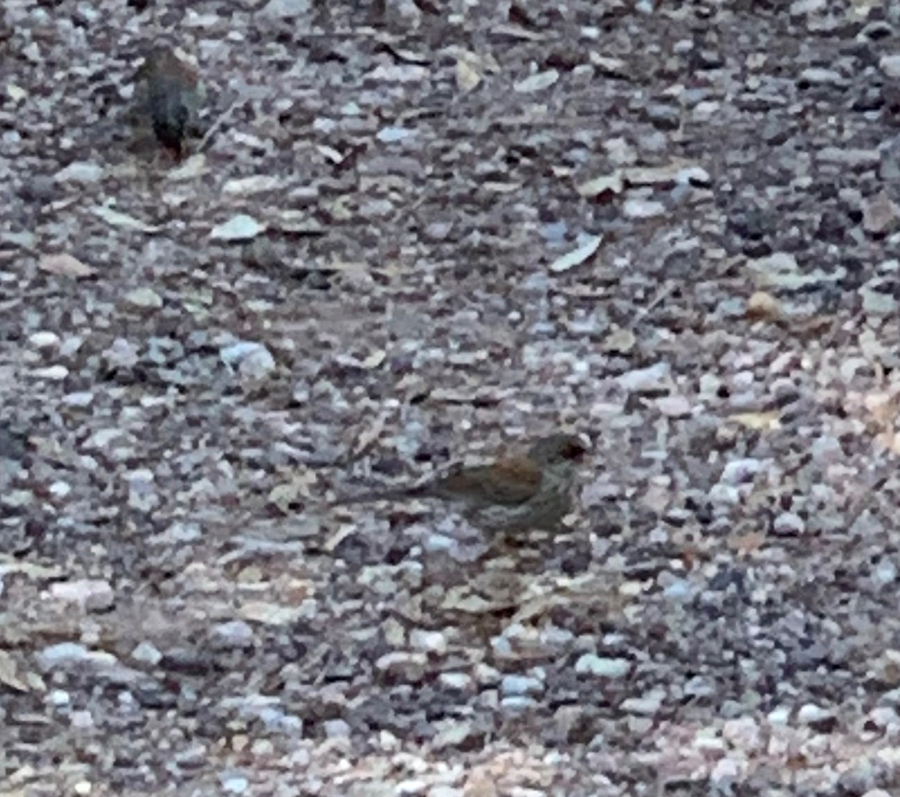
(574, 450)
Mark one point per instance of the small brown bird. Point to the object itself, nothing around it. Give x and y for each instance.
(168, 94)
(510, 494)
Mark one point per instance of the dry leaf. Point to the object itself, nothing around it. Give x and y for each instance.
(122, 220)
(467, 76)
(269, 613)
(369, 436)
(762, 306)
(621, 340)
(255, 184)
(577, 256)
(469, 603)
(192, 168)
(747, 543)
(338, 537)
(611, 183)
(881, 406)
(537, 82)
(758, 421)
(9, 564)
(331, 153)
(66, 265)
(284, 496)
(9, 673)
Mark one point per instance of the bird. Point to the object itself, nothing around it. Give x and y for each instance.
(169, 95)
(516, 493)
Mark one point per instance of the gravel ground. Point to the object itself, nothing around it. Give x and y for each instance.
(419, 232)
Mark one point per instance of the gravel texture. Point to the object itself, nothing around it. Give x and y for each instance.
(418, 232)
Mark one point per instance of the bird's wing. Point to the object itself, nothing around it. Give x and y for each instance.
(507, 481)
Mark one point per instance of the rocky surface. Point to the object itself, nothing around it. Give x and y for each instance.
(416, 232)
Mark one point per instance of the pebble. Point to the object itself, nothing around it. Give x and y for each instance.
(336, 729)
(674, 406)
(147, 653)
(428, 641)
(286, 9)
(411, 786)
(252, 359)
(516, 703)
(410, 667)
(740, 471)
(144, 298)
(885, 572)
(743, 733)
(79, 172)
(55, 373)
(179, 532)
(44, 340)
(591, 664)
(452, 733)
(238, 228)
(884, 717)
(516, 685)
(890, 65)
(810, 713)
(456, 680)
(93, 595)
(445, 791)
(648, 705)
(232, 634)
(81, 720)
(643, 380)
(121, 354)
(235, 784)
(79, 399)
(643, 209)
(724, 494)
(102, 438)
(821, 76)
(789, 524)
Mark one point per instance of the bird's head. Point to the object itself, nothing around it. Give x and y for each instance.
(559, 449)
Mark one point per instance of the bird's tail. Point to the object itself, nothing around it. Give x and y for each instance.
(398, 494)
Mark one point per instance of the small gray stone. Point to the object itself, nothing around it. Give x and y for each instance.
(238, 228)
(232, 634)
(235, 784)
(147, 653)
(819, 76)
(286, 9)
(517, 703)
(254, 360)
(643, 209)
(456, 680)
(647, 706)
(94, 595)
(643, 380)
(336, 729)
(789, 524)
(428, 641)
(516, 685)
(144, 299)
(591, 664)
(885, 571)
(65, 654)
(409, 667)
(811, 714)
(79, 172)
(740, 471)
(890, 65)
(663, 116)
